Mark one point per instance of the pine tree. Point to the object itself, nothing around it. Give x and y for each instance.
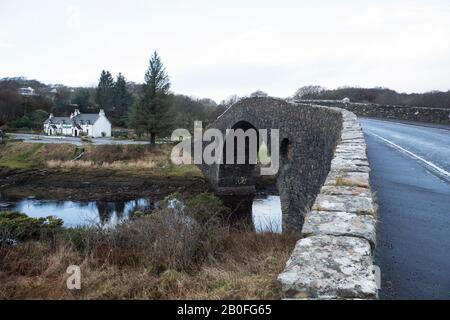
(105, 91)
(152, 112)
(122, 100)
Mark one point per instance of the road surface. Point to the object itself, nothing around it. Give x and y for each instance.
(33, 138)
(411, 177)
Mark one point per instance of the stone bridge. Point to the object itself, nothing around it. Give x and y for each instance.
(308, 136)
(323, 182)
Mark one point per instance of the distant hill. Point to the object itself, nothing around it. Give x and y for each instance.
(21, 82)
(384, 96)
(29, 109)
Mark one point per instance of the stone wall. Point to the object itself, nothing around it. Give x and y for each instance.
(432, 115)
(334, 258)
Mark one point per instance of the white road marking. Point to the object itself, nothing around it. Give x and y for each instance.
(413, 155)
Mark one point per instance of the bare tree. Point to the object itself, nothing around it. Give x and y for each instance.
(308, 92)
(230, 101)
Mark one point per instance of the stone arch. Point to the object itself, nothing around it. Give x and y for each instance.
(285, 150)
(239, 175)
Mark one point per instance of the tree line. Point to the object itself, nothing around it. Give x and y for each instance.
(150, 108)
(384, 96)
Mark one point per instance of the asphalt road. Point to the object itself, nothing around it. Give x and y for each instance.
(410, 175)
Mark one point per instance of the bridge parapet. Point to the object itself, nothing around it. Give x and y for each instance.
(408, 113)
(334, 258)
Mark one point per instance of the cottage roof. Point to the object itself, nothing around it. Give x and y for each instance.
(58, 120)
(83, 117)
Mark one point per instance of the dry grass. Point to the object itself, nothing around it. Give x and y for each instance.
(116, 157)
(116, 165)
(134, 158)
(161, 256)
(112, 153)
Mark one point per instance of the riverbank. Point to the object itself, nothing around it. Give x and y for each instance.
(105, 173)
(103, 185)
(173, 253)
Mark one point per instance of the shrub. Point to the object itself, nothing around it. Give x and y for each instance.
(120, 134)
(78, 237)
(203, 208)
(164, 255)
(86, 139)
(16, 226)
(206, 207)
(165, 239)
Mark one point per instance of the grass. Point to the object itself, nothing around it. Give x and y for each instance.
(128, 158)
(116, 165)
(16, 158)
(165, 255)
(10, 136)
(86, 139)
(29, 152)
(33, 155)
(181, 170)
(13, 164)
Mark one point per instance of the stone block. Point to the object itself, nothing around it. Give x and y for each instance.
(344, 178)
(338, 160)
(349, 135)
(346, 191)
(348, 165)
(359, 205)
(330, 267)
(340, 224)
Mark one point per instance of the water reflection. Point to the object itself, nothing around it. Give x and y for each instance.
(266, 214)
(266, 211)
(81, 213)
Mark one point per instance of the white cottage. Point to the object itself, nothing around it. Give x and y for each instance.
(27, 91)
(89, 124)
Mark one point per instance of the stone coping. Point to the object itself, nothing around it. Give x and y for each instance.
(334, 258)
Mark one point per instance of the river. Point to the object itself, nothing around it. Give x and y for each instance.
(265, 211)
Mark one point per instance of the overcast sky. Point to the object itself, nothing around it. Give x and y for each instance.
(215, 48)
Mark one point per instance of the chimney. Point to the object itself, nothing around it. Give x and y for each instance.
(77, 112)
(50, 116)
(101, 113)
